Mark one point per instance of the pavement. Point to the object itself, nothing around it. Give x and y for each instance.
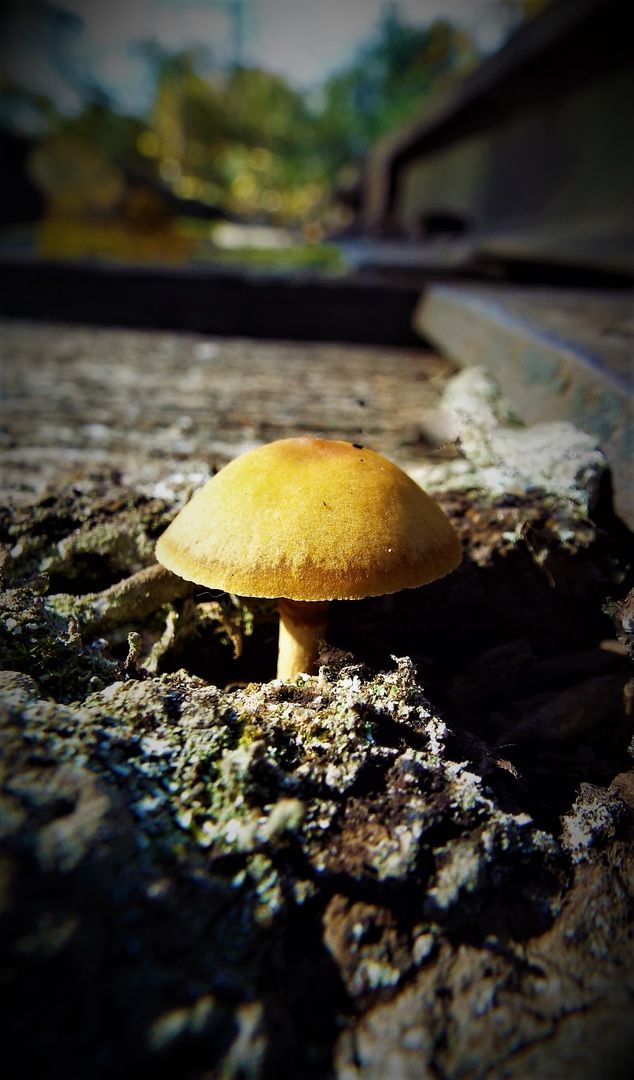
(150, 403)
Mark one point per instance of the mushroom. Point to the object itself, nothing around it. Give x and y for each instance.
(306, 521)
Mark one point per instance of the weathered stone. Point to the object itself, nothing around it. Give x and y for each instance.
(459, 1015)
(159, 410)
(506, 458)
(336, 877)
(273, 795)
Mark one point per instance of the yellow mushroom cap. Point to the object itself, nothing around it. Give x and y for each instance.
(310, 519)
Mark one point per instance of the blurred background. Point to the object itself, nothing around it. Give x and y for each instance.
(221, 131)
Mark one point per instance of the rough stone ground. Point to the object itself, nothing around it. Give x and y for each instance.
(398, 868)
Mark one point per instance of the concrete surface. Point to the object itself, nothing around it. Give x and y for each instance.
(149, 403)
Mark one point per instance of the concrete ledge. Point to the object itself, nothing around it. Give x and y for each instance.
(210, 300)
(556, 354)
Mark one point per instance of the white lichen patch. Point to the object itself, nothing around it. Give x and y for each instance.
(594, 819)
(374, 975)
(423, 946)
(177, 488)
(554, 456)
(501, 456)
(460, 872)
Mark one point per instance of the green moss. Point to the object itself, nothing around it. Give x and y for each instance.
(48, 646)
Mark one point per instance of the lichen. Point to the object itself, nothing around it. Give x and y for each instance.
(95, 531)
(500, 457)
(191, 781)
(593, 820)
(48, 646)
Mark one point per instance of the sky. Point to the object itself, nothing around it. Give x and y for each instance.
(304, 40)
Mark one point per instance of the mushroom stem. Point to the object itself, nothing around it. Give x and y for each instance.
(302, 627)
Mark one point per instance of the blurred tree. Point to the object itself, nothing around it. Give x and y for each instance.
(113, 134)
(522, 10)
(242, 142)
(390, 80)
(76, 178)
(253, 145)
(245, 141)
(25, 111)
(41, 54)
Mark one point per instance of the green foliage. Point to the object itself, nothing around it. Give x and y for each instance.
(390, 81)
(252, 144)
(112, 133)
(245, 142)
(318, 257)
